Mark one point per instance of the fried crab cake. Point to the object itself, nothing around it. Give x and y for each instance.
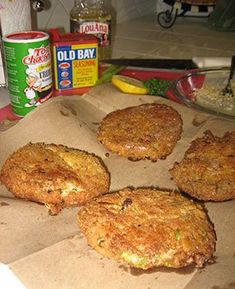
(207, 171)
(145, 131)
(146, 228)
(55, 175)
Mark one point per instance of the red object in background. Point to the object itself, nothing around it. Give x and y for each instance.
(188, 85)
(158, 74)
(6, 113)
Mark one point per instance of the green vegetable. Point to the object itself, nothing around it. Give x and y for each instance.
(177, 234)
(157, 86)
(134, 259)
(107, 75)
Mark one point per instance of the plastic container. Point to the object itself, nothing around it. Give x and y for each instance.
(28, 67)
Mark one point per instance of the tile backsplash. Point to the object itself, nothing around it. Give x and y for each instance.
(57, 15)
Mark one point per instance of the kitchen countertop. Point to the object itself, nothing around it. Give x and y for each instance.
(189, 37)
(143, 37)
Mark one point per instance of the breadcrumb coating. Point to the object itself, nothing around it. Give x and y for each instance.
(148, 131)
(207, 171)
(55, 175)
(146, 228)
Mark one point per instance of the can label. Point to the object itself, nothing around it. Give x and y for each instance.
(28, 65)
(76, 66)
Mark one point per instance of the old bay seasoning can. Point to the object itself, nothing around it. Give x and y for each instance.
(75, 61)
(29, 73)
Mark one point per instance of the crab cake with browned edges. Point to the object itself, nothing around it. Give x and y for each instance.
(145, 131)
(207, 171)
(147, 228)
(55, 175)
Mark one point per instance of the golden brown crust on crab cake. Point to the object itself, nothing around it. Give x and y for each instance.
(55, 175)
(145, 131)
(207, 171)
(147, 228)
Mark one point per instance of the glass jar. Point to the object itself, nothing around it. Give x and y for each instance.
(93, 17)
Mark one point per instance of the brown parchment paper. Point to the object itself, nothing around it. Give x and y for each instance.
(50, 252)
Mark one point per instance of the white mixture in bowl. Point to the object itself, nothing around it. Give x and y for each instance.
(210, 97)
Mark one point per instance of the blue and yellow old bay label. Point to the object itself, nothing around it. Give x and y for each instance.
(75, 66)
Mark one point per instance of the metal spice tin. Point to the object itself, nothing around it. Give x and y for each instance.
(28, 66)
(75, 60)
